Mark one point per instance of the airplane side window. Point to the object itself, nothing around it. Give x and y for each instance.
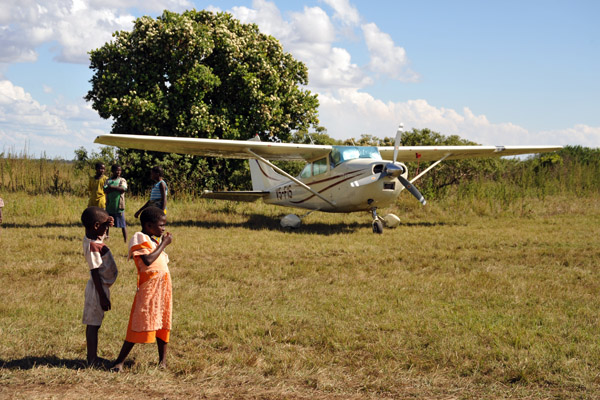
(306, 172)
(320, 166)
(336, 157)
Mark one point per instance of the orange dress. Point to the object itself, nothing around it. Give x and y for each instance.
(152, 307)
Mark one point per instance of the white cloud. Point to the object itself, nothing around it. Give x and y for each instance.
(309, 36)
(267, 16)
(387, 58)
(580, 134)
(313, 26)
(77, 26)
(350, 113)
(56, 130)
(18, 108)
(344, 11)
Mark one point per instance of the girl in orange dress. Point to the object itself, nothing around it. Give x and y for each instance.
(150, 318)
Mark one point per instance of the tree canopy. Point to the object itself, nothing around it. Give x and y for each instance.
(198, 74)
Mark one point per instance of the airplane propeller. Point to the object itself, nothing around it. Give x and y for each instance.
(394, 170)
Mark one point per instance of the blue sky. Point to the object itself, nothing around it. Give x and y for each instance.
(505, 72)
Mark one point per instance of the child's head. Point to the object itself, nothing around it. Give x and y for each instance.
(100, 168)
(96, 221)
(115, 170)
(156, 173)
(153, 221)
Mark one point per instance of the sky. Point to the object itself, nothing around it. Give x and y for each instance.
(510, 72)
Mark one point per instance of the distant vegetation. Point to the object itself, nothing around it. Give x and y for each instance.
(574, 169)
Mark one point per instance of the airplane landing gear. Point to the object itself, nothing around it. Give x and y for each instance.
(377, 224)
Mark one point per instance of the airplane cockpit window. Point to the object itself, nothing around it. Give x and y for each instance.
(307, 171)
(320, 166)
(339, 154)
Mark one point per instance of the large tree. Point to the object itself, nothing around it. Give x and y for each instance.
(198, 74)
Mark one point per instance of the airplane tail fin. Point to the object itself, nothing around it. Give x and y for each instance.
(263, 175)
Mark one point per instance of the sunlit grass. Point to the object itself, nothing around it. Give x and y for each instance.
(466, 299)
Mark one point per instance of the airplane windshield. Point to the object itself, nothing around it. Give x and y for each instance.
(339, 154)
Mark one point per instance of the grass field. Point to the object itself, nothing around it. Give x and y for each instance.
(466, 299)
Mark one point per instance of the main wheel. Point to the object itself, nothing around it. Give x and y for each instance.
(377, 226)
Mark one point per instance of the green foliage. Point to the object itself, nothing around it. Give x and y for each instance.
(198, 74)
(449, 173)
(86, 162)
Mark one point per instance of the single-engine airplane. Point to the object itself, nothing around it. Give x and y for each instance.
(335, 179)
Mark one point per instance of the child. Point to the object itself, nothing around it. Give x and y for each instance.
(115, 189)
(96, 187)
(150, 317)
(158, 195)
(103, 273)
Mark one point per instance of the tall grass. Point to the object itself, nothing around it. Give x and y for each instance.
(36, 176)
(572, 170)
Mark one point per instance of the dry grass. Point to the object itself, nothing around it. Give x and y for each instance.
(465, 299)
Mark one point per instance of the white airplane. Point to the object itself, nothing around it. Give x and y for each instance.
(335, 179)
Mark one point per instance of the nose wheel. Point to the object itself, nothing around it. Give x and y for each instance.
(377, 224)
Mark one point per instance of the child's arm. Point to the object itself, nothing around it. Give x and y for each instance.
(104, 301)
(150, 258)
(118, 188)
(163, 194)
(137, 213)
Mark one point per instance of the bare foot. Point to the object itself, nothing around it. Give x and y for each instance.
(117, 368)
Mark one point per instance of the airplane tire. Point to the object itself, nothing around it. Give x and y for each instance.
(377, 226)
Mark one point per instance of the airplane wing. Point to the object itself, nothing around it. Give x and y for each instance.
(434, 153)
(249, 196)
(307, 152)
(217, 147)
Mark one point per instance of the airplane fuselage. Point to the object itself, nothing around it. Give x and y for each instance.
(336, 186)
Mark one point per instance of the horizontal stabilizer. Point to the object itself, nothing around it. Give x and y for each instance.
(235, 196)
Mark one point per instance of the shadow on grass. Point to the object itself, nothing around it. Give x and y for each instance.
(259, 222)
(423, 224)
(254, 222)
(48, 361)
(262, 222)
(32, 362)
(46, 225)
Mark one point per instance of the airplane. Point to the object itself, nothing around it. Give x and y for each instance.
(338, 179)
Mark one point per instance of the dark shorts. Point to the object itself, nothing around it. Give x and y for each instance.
(119, 220)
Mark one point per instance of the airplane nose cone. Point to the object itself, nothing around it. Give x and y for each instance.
(393, 170)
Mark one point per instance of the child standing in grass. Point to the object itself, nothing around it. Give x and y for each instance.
(115, 189)
(150, 317)
(103, 273)
(96, 187)
(158, 195)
